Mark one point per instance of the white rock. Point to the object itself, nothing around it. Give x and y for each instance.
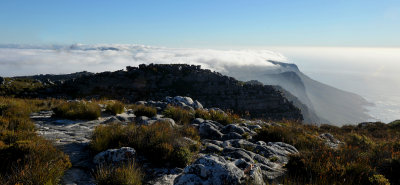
(115, 155)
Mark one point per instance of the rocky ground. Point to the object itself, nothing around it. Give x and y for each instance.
(229, 154)
(73, 138)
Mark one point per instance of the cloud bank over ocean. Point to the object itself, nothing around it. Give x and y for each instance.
(16, 60)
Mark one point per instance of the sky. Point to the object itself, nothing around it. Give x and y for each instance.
(202, 23)
(350, 44)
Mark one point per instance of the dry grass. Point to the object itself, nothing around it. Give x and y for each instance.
(160, 143)
(180, 115)
(225, 118)
(25, 157)
(78, 110)
(143, 110)
(370, 155)
(125, 174)
(115, 107)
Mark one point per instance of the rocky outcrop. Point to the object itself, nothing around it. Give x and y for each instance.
(228, 154)
(156, 81)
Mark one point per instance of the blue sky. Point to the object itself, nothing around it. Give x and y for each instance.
(202, 23)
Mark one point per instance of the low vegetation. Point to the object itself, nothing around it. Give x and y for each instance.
(160, 143)
(185, 116)
(222, 117)
(78, 110)
(19, 86)
(180, 115)
(27, 158)
(143, 110)
(114, 107)
(370, 153)
(125, 174)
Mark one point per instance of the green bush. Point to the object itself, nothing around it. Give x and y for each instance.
(106, 136)
(126, 174)
(115, 107)
(142, 110)
(181, 156)
(180, 115)
(78, 110)
(359, 141)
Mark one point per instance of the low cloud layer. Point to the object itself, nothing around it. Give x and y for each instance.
(370, 72)
(17, 60)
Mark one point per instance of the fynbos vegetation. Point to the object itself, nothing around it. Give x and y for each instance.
(27, 158)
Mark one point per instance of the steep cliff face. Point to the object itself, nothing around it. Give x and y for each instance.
(320, 103)
(155, 81)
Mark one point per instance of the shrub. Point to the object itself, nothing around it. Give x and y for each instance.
(115, 107)
(359, 141)
(221, 117)
(202, 113)
(159, 142)
(78, 110)
(33, 161)
(218, 116)
(106, 136)
(126, 174)
(142, 110)
(25, 157)
(180, 115)
(181, 156)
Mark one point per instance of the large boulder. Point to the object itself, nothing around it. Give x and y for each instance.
(233, 128)
(209, 130)
(112, 156)
(184, 101)
(215, 170)
(210, 169)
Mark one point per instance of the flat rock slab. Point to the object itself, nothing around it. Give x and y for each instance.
(72, 137)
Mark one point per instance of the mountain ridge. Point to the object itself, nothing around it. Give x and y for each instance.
(156, 81)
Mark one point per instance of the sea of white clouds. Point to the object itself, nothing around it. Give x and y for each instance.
(370, 72)
(17, 60)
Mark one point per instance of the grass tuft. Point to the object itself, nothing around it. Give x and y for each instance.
(180, 115)
(115, 107)
(78, 110)
(143, 110)
(125, 174)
